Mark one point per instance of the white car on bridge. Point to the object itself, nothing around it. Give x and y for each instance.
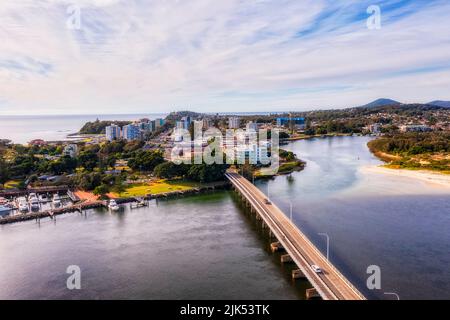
(316, 268)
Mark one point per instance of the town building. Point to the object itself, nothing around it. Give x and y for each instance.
(251, 126)
(159, 122)
(207, 123)
(37, 142)
(415, 128)
(295, 123)
(179, 125)
(375, 128)
(70, 150)
(113, 132)
(186, 122)
(131, 132)
(234, 123)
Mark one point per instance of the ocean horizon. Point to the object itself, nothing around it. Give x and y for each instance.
(56, 127)
(24, 128)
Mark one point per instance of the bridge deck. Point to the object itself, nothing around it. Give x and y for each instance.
(330, 284)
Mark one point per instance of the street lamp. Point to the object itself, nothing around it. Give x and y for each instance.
(392, 294)
(328, 244)
(290, 210)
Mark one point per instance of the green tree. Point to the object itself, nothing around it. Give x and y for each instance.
(88, 159)
(170, 170)
(146, 160)
(207, 173)
(4, 171)
(101, 190)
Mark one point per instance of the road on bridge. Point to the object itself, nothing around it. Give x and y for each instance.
(330, 283)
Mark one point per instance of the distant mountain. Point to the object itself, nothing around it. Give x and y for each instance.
(380, 103)
(440, 103)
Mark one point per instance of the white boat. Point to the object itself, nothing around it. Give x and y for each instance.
(4, 211)
(23, 205)
(56, 201)
(3, 201)
(140, 202)
(34, 202)
(113, 205)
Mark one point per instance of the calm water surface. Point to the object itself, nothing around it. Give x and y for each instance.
(205, 247)
(22, 129)
(202, 247)
(399, 224)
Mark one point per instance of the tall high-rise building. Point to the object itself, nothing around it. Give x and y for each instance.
(179, 125)
(234, 122)
(252, 126)
(159, 122)
(207, 123)
(113, 132)
(186, 122)
(131, 132)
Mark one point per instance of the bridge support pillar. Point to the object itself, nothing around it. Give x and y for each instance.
(285, 258)
(271, 235)
(298, 274)
(276, 246)
(312, 294)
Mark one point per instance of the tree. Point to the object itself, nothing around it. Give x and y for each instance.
(170, 170)
(284, 135)
(101, 190)
(89, 181)
(119, 186)
(62, 165)
(146, 160)
(88, 159)
(207, 173)
(4, 171)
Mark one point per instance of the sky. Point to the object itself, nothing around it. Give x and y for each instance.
(151, 56)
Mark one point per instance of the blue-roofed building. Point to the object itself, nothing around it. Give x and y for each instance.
(298, 123)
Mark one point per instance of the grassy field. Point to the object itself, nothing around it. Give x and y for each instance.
(12, 184)
(161, 186)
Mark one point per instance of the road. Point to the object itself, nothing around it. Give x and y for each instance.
(330, 284)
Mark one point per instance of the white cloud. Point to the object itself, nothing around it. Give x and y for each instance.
(152, 56)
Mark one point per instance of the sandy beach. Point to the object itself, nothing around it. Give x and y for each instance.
(427, 176)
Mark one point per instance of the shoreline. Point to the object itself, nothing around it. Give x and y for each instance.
(423, 175)
(90, 203)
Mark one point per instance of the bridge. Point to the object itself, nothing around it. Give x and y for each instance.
(330, 284)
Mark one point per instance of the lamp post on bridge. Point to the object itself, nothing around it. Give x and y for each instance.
(290, 210)
(328, 244)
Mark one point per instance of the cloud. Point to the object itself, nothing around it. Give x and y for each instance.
(234, 55)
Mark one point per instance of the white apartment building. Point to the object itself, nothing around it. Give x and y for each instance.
(234, 122)
(113, 132)
(251, 126)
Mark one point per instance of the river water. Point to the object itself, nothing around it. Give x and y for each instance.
(207, 247)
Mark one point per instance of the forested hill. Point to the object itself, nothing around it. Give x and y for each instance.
(98, 127)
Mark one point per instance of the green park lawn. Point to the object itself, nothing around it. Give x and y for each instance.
(161, 186)
(12, 184)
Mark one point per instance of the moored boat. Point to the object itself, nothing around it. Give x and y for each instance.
(56, 201)
(113, 205)
(4, 211)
